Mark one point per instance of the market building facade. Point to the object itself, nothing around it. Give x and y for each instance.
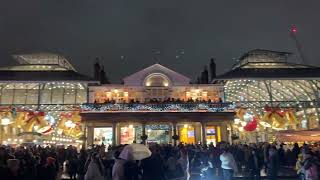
(157, 105)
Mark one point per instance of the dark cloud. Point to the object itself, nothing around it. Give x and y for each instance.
(131, 35)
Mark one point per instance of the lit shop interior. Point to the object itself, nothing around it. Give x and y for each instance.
(157, 133)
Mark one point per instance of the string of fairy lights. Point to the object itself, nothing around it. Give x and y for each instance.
(163, 107)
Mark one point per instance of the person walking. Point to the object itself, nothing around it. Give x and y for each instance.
(228, 164)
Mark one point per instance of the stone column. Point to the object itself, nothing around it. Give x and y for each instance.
(224, 132)
(204, 132)
(114, 134)
(118, 134)
(174, 128)
(143, 132)
(90, 136)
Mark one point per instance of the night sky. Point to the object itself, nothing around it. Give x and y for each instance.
(133, 34)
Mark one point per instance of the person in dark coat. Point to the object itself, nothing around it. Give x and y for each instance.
(153, 167)
(12, 171)
(273, 163)
(255, 164)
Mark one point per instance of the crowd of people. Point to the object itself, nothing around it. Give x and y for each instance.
(167, 162)
(155, 100)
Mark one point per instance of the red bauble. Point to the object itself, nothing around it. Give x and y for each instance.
(252, 125)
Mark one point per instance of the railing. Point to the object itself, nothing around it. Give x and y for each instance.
(163, 107)
(159, 107)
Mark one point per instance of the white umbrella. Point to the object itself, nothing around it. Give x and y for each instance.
(135, 152)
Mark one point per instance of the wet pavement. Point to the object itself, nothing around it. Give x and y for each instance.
(285, 173)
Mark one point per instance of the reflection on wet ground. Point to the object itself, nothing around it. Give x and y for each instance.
(285, 173)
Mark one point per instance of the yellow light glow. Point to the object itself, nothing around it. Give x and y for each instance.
(166, 84)
(147, 83)
(115, 91)
(130, 126)
(5, 121)
(185, 126)
(236, 121)
(126, 94)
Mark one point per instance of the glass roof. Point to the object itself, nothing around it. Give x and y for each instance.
(259, 58)
(40, 62)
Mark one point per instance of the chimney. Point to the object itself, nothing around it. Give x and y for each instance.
(103, 77)
(205, 76)
(96, 70)
(212, 69)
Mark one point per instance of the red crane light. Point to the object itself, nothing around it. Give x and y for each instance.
(294, 29)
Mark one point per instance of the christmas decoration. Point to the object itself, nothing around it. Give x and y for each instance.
(34, 121)
(69, 124)
(278, 118)
(240, 112)
(252, 125)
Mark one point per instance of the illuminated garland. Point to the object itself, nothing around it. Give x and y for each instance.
(162, 107)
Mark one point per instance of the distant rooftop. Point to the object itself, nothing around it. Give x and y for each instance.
(41, 67)
(260, 58)
(266, 64)
(40, 62)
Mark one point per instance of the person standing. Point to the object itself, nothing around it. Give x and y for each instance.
(254, 164)
(228, 164)
(95, 169)
(273, 163)
(183, 162)
(153, 167)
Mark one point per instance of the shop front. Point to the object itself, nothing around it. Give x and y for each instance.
(154, 127)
